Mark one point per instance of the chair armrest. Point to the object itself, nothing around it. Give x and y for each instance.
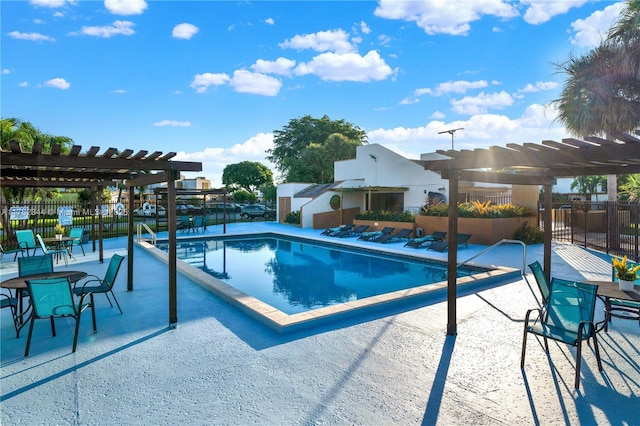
(91, 278)
(538, 317)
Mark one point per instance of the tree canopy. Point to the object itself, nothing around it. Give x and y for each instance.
(308, 139)
(248, 175)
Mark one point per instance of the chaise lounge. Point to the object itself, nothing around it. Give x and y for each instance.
(385, 238)
(444, 245)
(420, 241)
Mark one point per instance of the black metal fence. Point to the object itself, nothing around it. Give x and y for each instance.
(607, 226)
(42, 216)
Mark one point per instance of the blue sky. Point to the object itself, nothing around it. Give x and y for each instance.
(212, 80)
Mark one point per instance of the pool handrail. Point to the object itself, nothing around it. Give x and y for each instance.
(503, 241)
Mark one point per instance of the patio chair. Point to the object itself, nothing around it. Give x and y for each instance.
(35, 265)
(76, 234)
(26, 240)
(54, 251)
(344, 229)
(330, 231)
(359, 230)
(105, 285)
(567, 319)
(52, 298)
(385, 238)
(184, 224)
(463, 239)
(368, 236)
(200, 223)
(4, 251)
(543, 284)
(8, 301)
(420, 241)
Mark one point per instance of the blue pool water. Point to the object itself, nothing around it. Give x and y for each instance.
(295, 275)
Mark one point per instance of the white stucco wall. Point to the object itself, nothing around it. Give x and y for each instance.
(376, 165)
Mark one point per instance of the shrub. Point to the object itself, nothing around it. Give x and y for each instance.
(293, 218)
(477, 209)
(387, 216)
(529, 234)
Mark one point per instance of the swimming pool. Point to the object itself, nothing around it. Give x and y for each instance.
(288, 282)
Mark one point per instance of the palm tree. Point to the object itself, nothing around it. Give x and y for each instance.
(626, 33)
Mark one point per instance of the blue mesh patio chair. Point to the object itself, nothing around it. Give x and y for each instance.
(200, 223)
(541, 279)
(104, 285)
(4, 251)
(26, 240)
(52, 298)
(35, 265)
(76, 234)
(568, 318)
(8, 301)
(56, 252)
(463, 239)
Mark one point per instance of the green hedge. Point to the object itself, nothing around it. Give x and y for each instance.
(387, 216)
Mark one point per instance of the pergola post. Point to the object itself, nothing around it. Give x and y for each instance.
(452, 268)
(548, 231)
(171, 216)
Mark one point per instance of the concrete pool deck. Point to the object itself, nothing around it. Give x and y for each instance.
(397, 367)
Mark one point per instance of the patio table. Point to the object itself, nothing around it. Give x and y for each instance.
(608, 290)
(19, 284)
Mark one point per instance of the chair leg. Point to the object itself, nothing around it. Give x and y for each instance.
(524, 347)
(595, 344)
(26, 349)
(578, 362)
(93, 314)
(116, 300)
(75, 336)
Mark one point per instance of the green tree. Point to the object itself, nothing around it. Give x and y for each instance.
(248, 175)
(290, 142)
(631, 187)
(589, 184)
(241, 196)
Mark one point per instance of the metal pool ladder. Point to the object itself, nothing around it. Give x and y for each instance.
(524, 252)
(152, 235)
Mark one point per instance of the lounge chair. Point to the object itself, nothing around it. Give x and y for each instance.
(385, 238)
(330, 231)
(356, 231)
(105, 285)
(26, 240)
(543, 284)
(420, 241)
(568, 318)
(341, 231)
(368, 236)
(444, 245)
(52, 298)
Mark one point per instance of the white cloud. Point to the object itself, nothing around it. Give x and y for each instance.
(172, 123)
(51, 3)
(481, 103)
(590, 31)
(281, 66)
(364, 28)
(346, 67)
(30, 36)
(201, 82)
(58, 83)
(214, 160)
(244, 81)
(117, 28)
(480, 131)
(539, 86)
(184, 31)
(444, 17)
(269, 21)
(39, 21)
(5, 71)
(322, 41)
(539, 12)
(23, 84)
(119, 91)
(125, 7)
(437, 115)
